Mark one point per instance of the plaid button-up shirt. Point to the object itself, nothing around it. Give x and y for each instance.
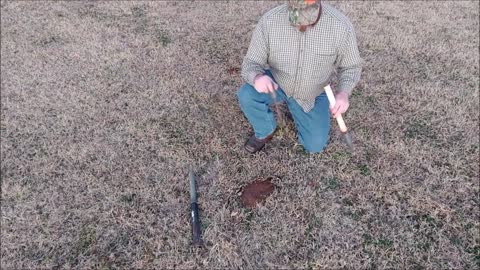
(303, 63)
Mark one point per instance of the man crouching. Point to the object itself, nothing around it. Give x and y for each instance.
(303, 42)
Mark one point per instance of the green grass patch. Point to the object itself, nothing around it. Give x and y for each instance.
(340, 155)
(204, 224)
(347, 202)
(475, 251)
(127, 198)
(86, 239)
(315, 223)
(371, 101)
(163, 38)
(46, 41)
(419, 129)
(356, 94)
(356, 215)
(331, 183)
(364, 170)
(382, 243)
(138, 12)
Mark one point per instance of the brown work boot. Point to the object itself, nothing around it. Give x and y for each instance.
(254, 145)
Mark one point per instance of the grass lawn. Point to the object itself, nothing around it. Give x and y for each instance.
(105, 104)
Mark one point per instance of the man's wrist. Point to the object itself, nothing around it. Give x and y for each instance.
(257, 77)
(343, 92)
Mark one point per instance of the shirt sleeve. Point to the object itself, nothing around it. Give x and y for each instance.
(257, 54)
(349, 64)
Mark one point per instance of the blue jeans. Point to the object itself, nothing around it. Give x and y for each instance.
(312, 127)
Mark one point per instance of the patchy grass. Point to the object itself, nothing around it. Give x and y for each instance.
(418, 129)
(380, 243)
(86, 239)
(331, 183)
(105, 104)
(163, 38)
(364, 170)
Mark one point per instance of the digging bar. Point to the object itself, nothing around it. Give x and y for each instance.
(346, 134)
(195, 219)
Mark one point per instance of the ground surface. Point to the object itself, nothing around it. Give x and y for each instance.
(105, 104)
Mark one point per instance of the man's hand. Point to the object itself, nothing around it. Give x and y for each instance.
(341, 104)
(264, 84)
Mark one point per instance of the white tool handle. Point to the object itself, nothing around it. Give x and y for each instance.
(331, 100)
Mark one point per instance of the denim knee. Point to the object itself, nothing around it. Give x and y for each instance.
(314, 145)
(244, 94)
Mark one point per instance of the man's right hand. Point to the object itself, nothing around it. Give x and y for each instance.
(264, 84)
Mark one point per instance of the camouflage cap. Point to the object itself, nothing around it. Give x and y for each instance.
(303, 12)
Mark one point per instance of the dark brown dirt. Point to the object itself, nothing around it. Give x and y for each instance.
(257, 192)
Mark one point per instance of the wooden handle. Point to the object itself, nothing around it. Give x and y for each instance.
(341, 123)
(331, 100)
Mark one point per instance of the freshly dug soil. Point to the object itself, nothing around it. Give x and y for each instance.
(256, 192)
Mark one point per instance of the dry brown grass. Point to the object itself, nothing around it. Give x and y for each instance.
(104, 104)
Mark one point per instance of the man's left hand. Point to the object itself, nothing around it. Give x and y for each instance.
(341, 104)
